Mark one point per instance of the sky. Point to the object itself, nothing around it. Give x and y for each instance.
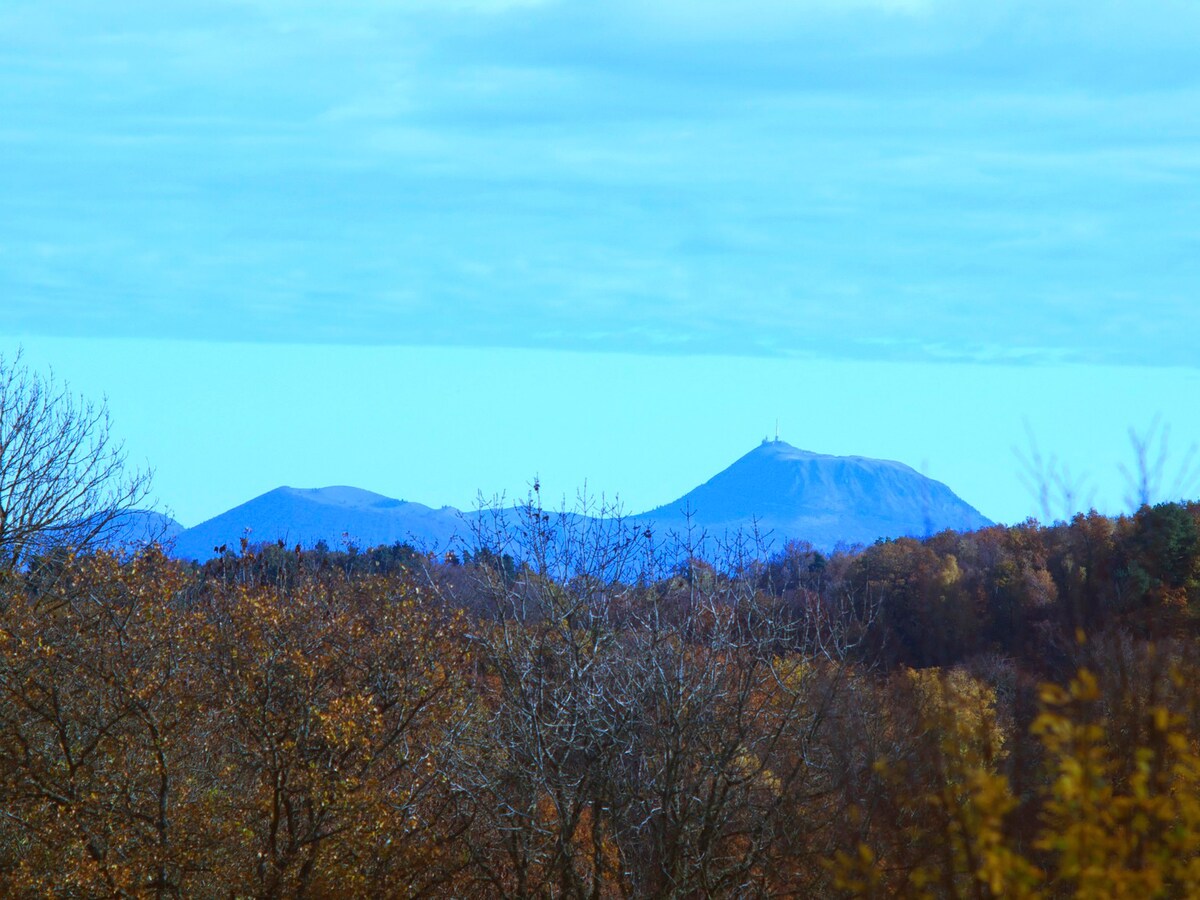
(432, 247)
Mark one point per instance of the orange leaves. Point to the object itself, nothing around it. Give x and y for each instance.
(95, 725)
(314, 732)
(159, 733)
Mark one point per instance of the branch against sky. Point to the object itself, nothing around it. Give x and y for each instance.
(64, 480)
(1146, 478)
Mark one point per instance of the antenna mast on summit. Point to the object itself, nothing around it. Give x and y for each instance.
(777, 431)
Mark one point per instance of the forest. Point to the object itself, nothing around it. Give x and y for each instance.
(568, 704)
(573, 708)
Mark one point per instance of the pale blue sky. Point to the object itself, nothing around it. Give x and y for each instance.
(928, 220)
(224, 422)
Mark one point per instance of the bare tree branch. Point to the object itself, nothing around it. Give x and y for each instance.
(64, 481)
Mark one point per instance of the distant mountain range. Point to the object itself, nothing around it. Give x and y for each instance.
(785, 492)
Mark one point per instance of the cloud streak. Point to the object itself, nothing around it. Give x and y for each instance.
(917, 181)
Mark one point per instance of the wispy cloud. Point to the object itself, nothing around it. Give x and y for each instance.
(876, 179)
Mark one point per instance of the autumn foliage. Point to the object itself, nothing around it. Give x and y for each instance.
(166, 736)
(558, 712)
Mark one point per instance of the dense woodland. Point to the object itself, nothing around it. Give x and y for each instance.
(571, 709)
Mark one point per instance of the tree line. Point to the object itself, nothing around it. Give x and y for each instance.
(581, 712)
(571, 706)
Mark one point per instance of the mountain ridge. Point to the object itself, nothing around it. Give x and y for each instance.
(791, 493)
(822, 498)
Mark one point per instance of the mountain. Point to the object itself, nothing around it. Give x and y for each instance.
(142, 526)
(787, 493)
(823, 499)
(332, 514)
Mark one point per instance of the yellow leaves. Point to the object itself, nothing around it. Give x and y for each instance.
(302, 727)
(858, 873)
(745, 766)
(1114, 821)
(349, 721)
(1053, 695)
(950, 572)
(1136, 836)
(1105, 832)
(960, 708)
(1084, 687)
(792, 671)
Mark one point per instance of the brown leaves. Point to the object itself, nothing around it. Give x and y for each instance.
(159, 735)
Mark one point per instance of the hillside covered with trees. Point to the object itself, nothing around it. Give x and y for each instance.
(580, 706)
(1010, 712)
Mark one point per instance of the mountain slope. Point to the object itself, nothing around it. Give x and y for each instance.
(823, 499)
(790, 493)
(331, 514)
(137, 527)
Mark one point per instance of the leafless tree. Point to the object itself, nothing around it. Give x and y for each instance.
(1144, 480)
(64, 480)
(651, 724)
(1059, 493)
